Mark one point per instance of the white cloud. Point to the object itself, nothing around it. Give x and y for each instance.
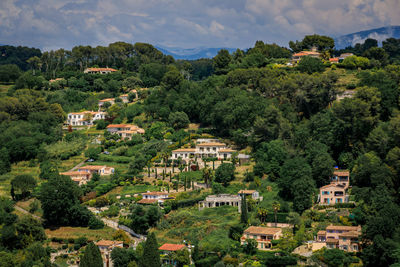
(186, 23)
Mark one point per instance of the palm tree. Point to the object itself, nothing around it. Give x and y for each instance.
(262, 214)
(276, 206)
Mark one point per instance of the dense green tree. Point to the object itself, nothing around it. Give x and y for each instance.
(121, 257)
(321, 42)
(294, 171)
(5, 165)
(225, 173)
(23, 185)
(244, 217)
(151, 254)
(221, 61)
(91, 256)
(178, 120)
(269, 158)
(310, 65)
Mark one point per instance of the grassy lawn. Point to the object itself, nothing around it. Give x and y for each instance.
(17, 169)
(68, 164)
(134, 189)
(76, 232)
(25, 205)
(123, 167)
(209, 226)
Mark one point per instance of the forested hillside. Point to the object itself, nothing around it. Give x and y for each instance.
(290, 118)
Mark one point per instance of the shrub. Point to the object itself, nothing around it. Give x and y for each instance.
(95, 223)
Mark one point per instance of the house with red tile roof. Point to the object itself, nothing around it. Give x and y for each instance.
(167, 252)
(79, 178)
(346, 238)
(263, 236)
(125, 131)
(296, 57)
(101, 170)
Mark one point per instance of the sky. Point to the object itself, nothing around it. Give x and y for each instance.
(53, 24)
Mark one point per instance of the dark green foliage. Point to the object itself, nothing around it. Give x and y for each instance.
(18, 55)
(143, 218)
(221, 61)
(121, 257)
(5, 165)
(9, 73)
(178, 120)
(60, 202)
(291, 171)
(91, 257)
(151, 254)
(23, 185)
(321, 42)
(311, 65)
(244, 216)
(225, 173)
(250, 246)
(93, 152)
(270, 157)
(236, 231)
(95, 223)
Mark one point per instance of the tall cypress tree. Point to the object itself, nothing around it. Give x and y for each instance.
(244, 217)
(151, 254)
(91, 257)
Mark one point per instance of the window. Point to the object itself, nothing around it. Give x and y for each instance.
(262, 245)
(355, 247)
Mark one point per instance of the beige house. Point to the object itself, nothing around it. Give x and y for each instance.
(99, 70)
(336, 191)
(125, 131)
(213, 201)
(101, 170)
(106, 100)
(263, 236)
(78, 177)
(106, 246)
(298, 56)
(124, 98)
(84, 118)
(346, 238)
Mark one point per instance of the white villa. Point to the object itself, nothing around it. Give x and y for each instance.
(204, 150)
(84, 118)
(213, 201)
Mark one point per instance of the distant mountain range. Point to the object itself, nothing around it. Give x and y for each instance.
(380, 34)
(192, 53)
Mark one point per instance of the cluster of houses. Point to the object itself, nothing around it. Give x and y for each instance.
(125, 131)
(296, 57)
(205, 148)
(167, 251)
(84, 174)
(99, 70)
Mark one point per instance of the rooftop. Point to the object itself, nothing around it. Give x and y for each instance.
(155, 194)
(246, 191)
(171, 247)
(341, 173)
(92, 167)
(101, 69)
(343, 228)
(121, 126)
(147, 201)
(185, 150)
(259, 230)
(211, 144)
(107, 100)
(73, 173)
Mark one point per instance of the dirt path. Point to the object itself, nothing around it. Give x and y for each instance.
(27, 212)
(77, 166)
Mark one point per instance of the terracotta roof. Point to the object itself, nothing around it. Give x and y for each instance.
(184, 150)
(154, 194)
(147, 201)
(55, 80)
(341, 173)
(334, 59)
(351, 234)
(119, 126)
(92, 167)
(107, 100)
(171, 247)
(321, 232)
(332, 185)
(101, 69)
(211, 144)
(107, 243)
(343, 228)
(305, 53)
(227, 150)
(332, 240)
(246, 191)
(73, 173)
(258, 230)
(124, 95)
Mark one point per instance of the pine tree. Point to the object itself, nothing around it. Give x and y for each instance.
(91, 257)
(244, 217)
(151, 255)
